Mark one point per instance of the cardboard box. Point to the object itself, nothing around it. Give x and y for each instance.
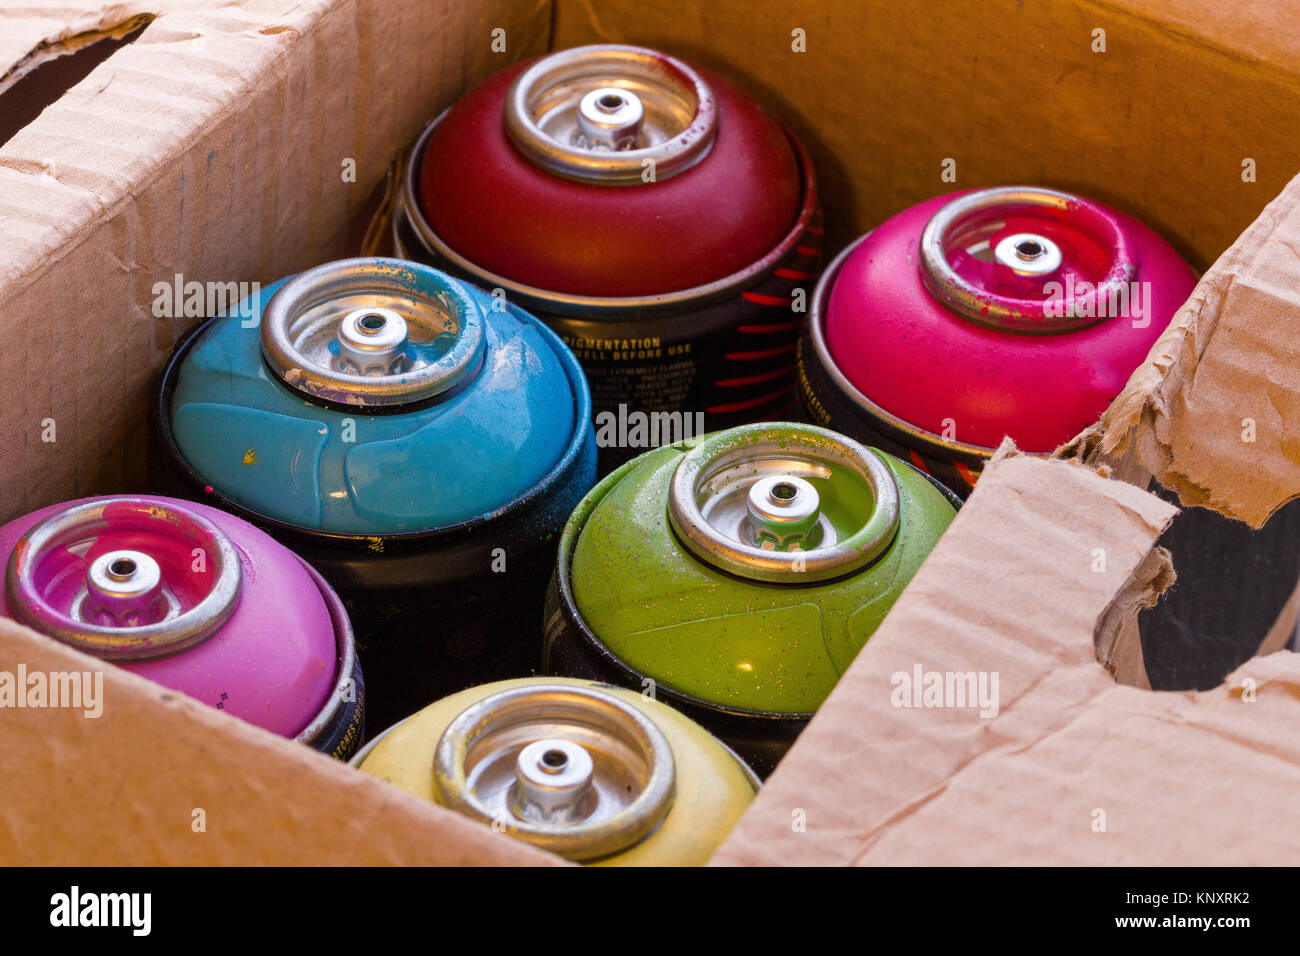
(215, 145)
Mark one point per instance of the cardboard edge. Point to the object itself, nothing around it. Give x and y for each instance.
(351, 818)
(1117, 641)
(1134, 435)
(64, 43)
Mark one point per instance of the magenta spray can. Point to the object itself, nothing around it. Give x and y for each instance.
(197, 600)
(1023, 311)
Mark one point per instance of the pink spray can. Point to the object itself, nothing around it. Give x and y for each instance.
(1016, 310)
(197, 600)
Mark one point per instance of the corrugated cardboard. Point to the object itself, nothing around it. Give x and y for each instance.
(212, 146)
(35, 35)
(160, 779)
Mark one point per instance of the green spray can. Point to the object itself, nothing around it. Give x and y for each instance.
(737, 575)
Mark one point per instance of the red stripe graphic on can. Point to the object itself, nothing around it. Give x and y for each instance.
(768, 299)
(916, 460)
(738, 406)
(754, 379)
(785, 273)
(762, 354)
(965, 473)
(809, 251)
(770, 327)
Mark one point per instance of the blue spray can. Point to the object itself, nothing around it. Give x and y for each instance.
(417, 440)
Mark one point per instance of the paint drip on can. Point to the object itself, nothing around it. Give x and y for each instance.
(416, 440)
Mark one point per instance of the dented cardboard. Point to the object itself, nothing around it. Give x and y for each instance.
(1212, 414)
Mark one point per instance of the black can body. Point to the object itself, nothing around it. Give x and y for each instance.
(341, 737)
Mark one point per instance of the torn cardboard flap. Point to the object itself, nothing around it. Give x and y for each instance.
(1117, 639)
(207, 789)
(1213, 413)
(32, 37)
(1011, 596)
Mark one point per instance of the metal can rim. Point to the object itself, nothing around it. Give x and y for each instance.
(964, 299)
(927, 440)
(142, 642)
(817, 565)
(569, 606)
(753, 779)
(357, 759)
(311, 287)
(674, 155)
(625, 828)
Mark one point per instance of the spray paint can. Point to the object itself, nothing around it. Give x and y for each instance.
(737, 576)
(196, 600)
(591, 772)
(655, 217)
(417, 441)
(1011, 311)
